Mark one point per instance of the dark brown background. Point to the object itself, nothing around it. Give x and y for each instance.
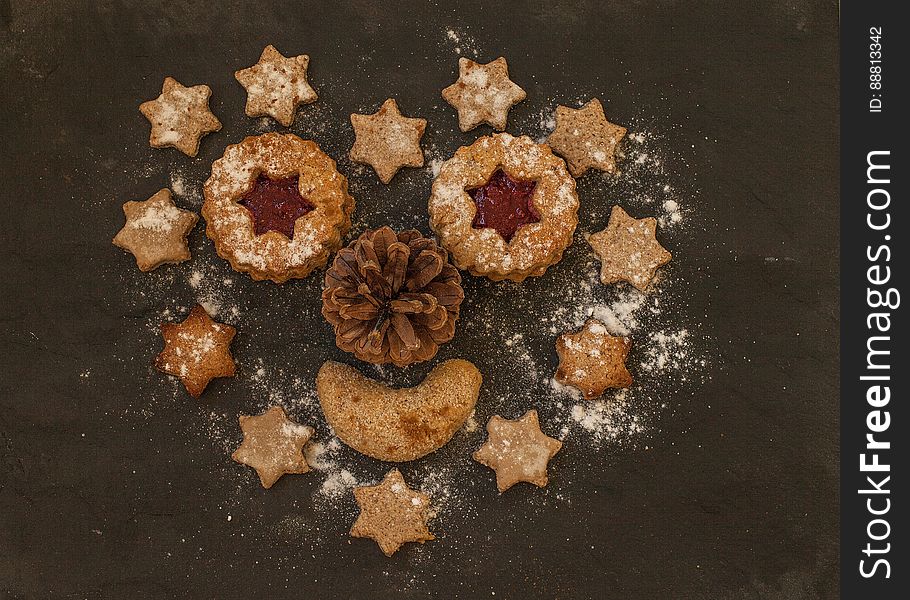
(734, 501)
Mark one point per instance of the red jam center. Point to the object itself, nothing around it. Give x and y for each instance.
(504, 204)
(275, 205)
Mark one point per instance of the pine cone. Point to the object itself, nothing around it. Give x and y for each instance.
(392, 297)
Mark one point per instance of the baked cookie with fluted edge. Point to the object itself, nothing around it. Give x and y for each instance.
(276, 206)
(505, 207)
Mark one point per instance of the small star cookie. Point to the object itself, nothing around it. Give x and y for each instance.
(592, 360)
(387, 141)
(273, 445)
(517, 450)
(180, 116)
(276, 85)
(483, 94)
(628, 249)
(392, 514)
(196, 350)
(155, 231)
(585, 138)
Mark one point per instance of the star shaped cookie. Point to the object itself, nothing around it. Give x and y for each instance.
(592, 360)
(392, 514)
(628, 249)
(155, 231)
(585, 138)
(483, 94)
(273, 445)
(180, 116)
(387, 141)
(276, 85)
(196, 350)
(517, 450)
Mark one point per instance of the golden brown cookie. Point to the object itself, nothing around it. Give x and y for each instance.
(505, 207)
(196, 351)
(517, 450)
(273, 445)
(276, 85)
(397, 424)
(592, 360)
(276, 206)
(392, 514)
(628, 249)
(387, 141)
(483, 94)
(155, 231)
(180, 116)
(585, 138)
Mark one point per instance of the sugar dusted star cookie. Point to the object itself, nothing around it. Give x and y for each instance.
(592, 360)
(155, 231)
(180, 116)
(483, 94)
(273, 445)
(517, 450)
(387, 141)
(276, 85)
(392, 514)
(628, 249)
(585, 138)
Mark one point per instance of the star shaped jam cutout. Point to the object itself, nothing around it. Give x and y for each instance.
(196, 350)
(273, 445)
(392, 514)
(180, 116)
(585, 138)
(155, 231)
(517, 450)
(592, 360)
(505, 204)
(276, 85)
(628, 249)
(275, 205)
(483, 94)
(387, 141)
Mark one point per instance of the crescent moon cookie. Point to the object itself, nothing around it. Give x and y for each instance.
(505, 207)
(276, 206)
(392, 424)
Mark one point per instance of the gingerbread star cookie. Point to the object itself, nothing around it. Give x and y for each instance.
(392, 514)
(196, 350)
(483, 94)
(387, 141)
(585, 138)
(517, 450)
(276, 85)
(628, 249)
(155, 231)
(273, 445)
(592, 360)
(180, 116)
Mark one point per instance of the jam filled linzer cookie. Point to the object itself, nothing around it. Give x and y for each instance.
(585, 138)
(180, 116)
(483, 94)
(273, 445)
(196, 350)
(592, 360)
(392, 297)
(387, 141)
(156, 231)
(397, 424)
(505, 207)
(392, 514)
(628, 249)
(276, 85)
(517, 450)
(276, 206)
